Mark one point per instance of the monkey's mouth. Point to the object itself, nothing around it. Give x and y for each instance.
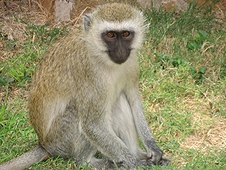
(119, 57)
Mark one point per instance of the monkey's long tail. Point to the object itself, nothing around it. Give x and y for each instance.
(26, 160)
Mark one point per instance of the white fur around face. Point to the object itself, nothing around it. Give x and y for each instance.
(95, 43)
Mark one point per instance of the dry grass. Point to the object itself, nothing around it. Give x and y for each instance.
(13, 26)
(209, 127)
(210, 131)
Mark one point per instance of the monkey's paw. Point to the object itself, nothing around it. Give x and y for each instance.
(155, 156)
(164, 161)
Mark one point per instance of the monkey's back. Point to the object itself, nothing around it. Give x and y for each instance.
(54, 82)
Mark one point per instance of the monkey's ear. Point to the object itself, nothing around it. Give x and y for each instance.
(87, 19)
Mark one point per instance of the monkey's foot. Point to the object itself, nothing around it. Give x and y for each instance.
(164, 161)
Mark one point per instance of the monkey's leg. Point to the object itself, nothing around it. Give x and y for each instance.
(124, 126)
(101, 135)
(73, 144)
(65, 139)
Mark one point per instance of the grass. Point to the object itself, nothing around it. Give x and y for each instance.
(182, 83)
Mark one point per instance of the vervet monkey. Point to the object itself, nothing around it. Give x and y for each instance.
(84, 96)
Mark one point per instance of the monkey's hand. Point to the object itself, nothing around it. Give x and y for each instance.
(155, 155)
(164, 161)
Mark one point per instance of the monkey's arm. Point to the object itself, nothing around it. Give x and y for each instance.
(154, 153)
(101, 136)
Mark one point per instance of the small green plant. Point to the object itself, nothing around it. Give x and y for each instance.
(198, 74)
(4, 80)
(198, 40)
(165, 59)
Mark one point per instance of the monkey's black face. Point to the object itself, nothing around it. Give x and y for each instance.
(118, 44)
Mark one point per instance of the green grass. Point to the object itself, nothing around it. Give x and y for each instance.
(182, 83)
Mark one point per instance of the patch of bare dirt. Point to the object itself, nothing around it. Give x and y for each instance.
(14, 16)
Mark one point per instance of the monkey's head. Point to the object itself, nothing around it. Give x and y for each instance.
(114, 30)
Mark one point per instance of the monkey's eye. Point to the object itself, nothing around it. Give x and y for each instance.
(110, 34)
(125, 33)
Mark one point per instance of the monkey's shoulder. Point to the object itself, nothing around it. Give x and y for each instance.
(67, 49)
(62, 59)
